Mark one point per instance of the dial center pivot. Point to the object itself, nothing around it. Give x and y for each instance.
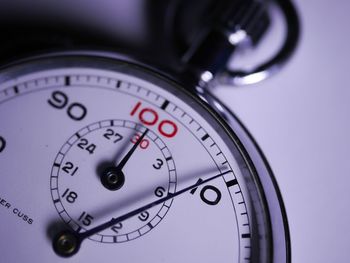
(66, 244)
(112, 178)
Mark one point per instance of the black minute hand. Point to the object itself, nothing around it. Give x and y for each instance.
(68, 243)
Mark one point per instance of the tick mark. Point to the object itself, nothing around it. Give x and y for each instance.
(15, 89)
(78, 229)
(206, 136)
(67, 81)
(164, 105)
(247, 235)
(231, 183)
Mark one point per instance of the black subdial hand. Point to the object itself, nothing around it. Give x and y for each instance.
(67, 243)
(126, 158)
(113, 177)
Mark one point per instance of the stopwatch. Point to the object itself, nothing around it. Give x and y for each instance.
(104, 158)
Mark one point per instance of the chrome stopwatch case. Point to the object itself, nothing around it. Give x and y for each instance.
(105, 159)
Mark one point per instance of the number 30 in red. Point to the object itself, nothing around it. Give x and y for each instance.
(149, 117)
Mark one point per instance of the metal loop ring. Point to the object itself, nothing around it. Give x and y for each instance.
(265, 70)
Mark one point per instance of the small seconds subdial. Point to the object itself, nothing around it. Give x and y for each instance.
(148, 174)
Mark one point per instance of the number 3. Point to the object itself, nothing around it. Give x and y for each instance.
(159, 164)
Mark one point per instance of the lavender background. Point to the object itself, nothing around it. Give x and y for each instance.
(300, 117)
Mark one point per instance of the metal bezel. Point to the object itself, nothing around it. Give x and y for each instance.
(213, 111)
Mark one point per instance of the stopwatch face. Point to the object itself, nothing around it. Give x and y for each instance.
(67, 122)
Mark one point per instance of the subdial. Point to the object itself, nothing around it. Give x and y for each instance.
(107, 169)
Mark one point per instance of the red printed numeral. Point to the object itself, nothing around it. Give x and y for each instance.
(143, 144)
(149, 117)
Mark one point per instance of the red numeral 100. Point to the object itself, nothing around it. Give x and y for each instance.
(150, 117)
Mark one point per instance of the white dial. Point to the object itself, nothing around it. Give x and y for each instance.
(64, 121)
(92, 151)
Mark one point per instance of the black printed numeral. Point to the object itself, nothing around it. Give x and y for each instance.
(85, 145)
(59, 100)
(160, 191)
(209, 193)
(85, 218)
(116, 228)
(70, 196)
(2, 144)
(70, 168)
(143, 216)
(111, 135)
(159, 163)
